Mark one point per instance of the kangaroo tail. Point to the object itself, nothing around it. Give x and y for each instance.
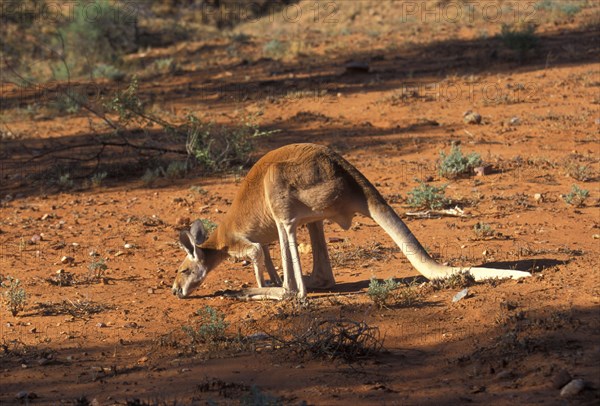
(387, 218)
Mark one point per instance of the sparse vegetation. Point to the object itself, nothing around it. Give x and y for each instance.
(98, 178)
(426, 196)
(483, 230)
(381, 292)
(459, 280)
(577, 196)
(14, 296)
(331, 339)
(519, 37)
(97, 269)
(208, 329)
(582, 173)
(217, 148)
(456, 164)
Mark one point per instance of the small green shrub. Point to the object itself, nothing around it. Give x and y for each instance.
(427, 196)
(275, 49)
(217, 148)
(568, 8)
(210, 328)
(98, 32)
(97, 269)
(520, 38)
(14, 296)
(98, 178)
(582, 173)
(577, 196)
(150, 176)
(483, 230)
(456, 164)
(381, 292)
(65, 181)
(176, 170)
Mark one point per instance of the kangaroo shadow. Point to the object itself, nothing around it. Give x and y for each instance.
(529, 265)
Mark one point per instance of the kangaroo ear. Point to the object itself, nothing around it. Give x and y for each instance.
(187, 241)
(198, 232)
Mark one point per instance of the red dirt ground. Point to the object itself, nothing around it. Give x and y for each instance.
(121, 338)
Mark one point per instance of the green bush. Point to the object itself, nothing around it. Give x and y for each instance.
(98, 32)
(520, 38)
(456, 164)
(426, 196)
(210, 328)
(14, 296)
(577, 196)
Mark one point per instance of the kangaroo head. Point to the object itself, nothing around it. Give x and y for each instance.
(194, 267)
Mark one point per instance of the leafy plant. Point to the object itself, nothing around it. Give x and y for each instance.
(98, 34)
(577, 196)
(381, 292)
(65, 181)
(520, 37)
(427, 196)
(98, 178)
(483, 230)
(210, 329)
(217, 148)
(14, 296)
(176, 170)
(97, 268)
(582, 173)
(456, 164)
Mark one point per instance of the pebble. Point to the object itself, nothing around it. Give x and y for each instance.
(25, 395)
(470, 117)
(67, 260)
(100, 325)
(573, 388)
(128, 246)
(483, 170)
(538, 197)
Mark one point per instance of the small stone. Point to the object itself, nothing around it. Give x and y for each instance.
(94, 253)
(35, 239)
(245, 262)
(101, 325)
(561, 378)
(515, 121)
(573, 388)
(46, 216)
(470, 117)
(504, 375)
(357, 67)
(67, 260)
(150, 291)
(538, 197)
(483, 170)
(596, 236)
(128, 246)
(21, 395)
(33, 330)
(119, 253)
(335, 239)
(60, 271)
